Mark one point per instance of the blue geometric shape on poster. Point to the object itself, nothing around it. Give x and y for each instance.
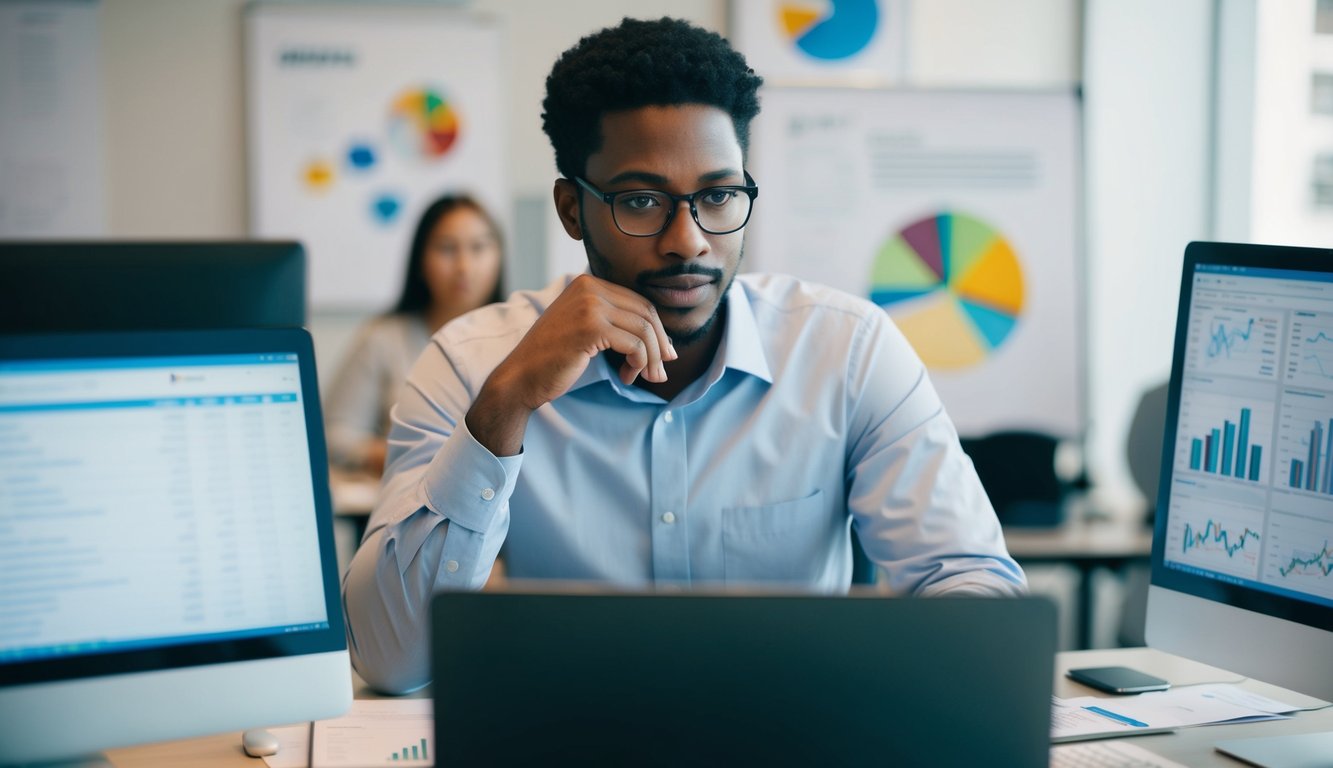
(995, 326)
(361, 156)
(885, 298)
(844, 32)
(386, 208)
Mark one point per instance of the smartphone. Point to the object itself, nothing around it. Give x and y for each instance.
(1117, 679)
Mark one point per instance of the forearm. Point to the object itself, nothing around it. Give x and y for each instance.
(439, 525)
(387, 592)
(497, 419)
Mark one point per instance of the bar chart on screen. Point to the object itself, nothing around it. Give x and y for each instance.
(1305, 442)
(1224, 436)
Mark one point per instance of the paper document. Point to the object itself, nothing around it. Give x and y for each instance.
(1094, 717)
(374, 732)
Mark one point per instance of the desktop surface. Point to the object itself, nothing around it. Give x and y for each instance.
(1190, 746)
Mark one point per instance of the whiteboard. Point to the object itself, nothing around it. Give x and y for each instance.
(52, 177)
(958, 213)
(358, 117)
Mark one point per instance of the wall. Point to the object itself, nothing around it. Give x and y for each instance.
(175, 141)
(175, 102)
(1147, 80)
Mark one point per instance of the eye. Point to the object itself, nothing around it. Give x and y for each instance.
(640, 201)
(719, 196)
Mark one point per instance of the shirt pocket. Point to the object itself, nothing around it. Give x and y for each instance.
(789, 541)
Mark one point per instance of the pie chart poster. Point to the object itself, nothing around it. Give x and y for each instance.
(822, 41)
(956, 212)
(358, 117)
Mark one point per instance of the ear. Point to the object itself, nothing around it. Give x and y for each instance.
(566, 196)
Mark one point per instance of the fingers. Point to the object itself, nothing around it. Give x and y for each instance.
(634, 336)
(626, 299)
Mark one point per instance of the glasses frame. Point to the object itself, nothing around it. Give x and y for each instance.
(749, 188)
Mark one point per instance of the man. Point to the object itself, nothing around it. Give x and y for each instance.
(660, 421)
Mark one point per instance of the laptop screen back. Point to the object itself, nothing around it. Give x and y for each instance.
(606, 679)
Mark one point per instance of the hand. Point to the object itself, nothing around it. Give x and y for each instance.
(589, 317)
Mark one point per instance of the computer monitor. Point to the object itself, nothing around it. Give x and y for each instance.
(167, 563)
(108, 286)
(1242, 563)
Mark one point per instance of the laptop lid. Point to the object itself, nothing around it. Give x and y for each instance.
(632, 679)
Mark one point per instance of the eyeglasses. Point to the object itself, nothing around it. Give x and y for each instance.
(648, 212)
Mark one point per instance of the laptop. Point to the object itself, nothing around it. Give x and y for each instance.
(525, 678)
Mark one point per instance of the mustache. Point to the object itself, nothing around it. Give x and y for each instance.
(643, 278)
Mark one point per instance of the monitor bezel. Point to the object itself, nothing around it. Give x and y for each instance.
(1218, 590)
(186, 655)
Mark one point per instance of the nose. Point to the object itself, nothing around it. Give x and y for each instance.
(683, 238)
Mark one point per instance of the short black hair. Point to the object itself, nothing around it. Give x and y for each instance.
(415, 298)
(638, 64)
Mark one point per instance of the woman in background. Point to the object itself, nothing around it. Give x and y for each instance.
(454, 267)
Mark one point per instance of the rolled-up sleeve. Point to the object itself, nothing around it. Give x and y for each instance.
(441, 517)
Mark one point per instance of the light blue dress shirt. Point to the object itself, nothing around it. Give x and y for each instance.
(815, 415)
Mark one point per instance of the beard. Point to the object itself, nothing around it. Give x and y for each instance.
(600, 266)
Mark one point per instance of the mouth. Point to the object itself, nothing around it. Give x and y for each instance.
(678, 291)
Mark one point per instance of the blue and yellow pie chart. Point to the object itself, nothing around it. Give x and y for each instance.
(830, 30)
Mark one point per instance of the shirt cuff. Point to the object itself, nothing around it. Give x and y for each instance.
(466, 484)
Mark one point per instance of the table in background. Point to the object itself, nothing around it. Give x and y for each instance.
(354, 497)
(1088, 544)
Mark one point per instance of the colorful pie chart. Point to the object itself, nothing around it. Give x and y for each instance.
(422, 124)
(829, 30)
(954, 285)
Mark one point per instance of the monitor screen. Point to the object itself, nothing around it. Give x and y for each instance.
(106, 286)
(163, 506)
(1246, 501)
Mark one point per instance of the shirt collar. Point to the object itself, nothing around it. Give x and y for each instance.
(741, 349)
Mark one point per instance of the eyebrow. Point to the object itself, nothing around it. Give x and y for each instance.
(656, 179)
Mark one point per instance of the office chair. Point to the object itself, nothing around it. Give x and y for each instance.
(1017, 469)
(1143, 450)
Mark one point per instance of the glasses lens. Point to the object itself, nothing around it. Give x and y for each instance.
(722, 209)
(642, 212)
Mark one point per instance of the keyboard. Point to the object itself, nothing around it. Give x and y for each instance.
(1110, 753)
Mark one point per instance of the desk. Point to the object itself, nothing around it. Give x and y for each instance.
(1191, 746)
(1088, 545)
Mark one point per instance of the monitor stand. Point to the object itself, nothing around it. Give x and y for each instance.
(1302, 750)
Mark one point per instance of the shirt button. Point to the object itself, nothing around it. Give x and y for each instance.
(451, 566)
(668, 518)
(667, 417)
(488, 494)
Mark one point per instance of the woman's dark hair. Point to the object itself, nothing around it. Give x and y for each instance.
(640, 64)
(415, 298)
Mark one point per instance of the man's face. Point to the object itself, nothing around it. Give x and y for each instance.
(683, 271)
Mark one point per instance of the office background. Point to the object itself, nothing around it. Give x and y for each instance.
(1197, 119)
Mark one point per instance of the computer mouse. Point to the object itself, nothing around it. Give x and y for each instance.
(259, 743)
